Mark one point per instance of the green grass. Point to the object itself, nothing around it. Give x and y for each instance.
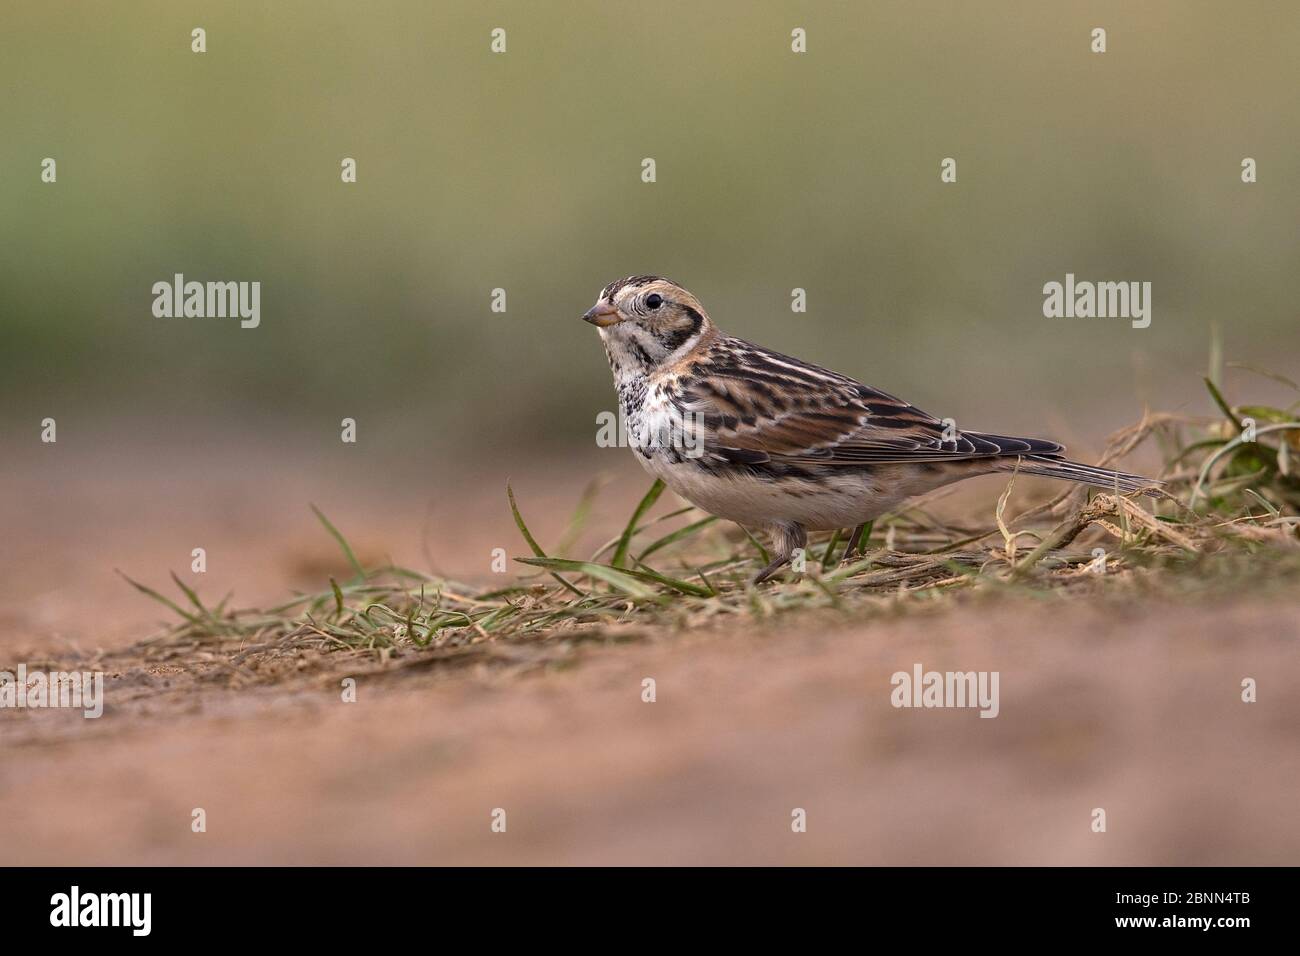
(1228, 520)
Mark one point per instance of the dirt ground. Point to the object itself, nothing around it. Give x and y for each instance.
(1137, 712)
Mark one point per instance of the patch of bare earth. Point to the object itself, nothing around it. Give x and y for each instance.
(1130, 707)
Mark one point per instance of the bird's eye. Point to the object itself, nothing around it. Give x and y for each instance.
(654, 300)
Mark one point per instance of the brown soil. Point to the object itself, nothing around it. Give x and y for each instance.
(1132, 708)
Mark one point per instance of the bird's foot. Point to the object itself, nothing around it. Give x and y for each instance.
(789, 539)
(770, 570)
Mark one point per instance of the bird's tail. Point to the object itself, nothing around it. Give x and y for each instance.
(1050, 466)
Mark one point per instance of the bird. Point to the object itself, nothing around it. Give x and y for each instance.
(780, 445)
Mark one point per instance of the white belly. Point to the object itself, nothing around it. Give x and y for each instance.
(839, 502)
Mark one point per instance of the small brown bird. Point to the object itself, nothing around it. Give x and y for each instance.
(777, 444)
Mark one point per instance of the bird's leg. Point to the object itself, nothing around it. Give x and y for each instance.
(786, 539)
(854, 541)
(771, 569)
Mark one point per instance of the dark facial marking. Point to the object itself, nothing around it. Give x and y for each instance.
(642, 356)
(676, 338)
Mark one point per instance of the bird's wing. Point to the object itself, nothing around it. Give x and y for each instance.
(759, 406)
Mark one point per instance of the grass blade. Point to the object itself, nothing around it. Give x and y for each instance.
(613, 542)
(829, 557)
(580, 514)
(625, 580)
(190, 593)
(532, 542)
(677, 535)
(1222, 403)
(342, 541)
(160, 598)
(762, 551)
(624, 542)
(685, 587)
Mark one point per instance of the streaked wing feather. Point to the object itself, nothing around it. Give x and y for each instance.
(757, 406)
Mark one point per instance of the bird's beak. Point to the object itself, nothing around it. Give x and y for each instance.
(602, 314)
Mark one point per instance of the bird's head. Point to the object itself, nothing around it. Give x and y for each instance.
(646, 320)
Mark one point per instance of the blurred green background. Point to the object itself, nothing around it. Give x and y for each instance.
(522, 171)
